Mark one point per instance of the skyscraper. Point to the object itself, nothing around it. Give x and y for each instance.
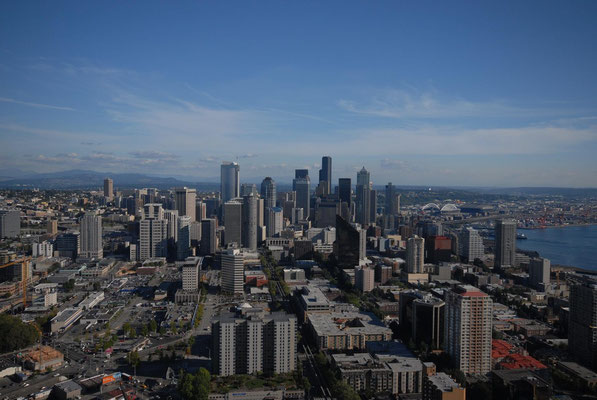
(505, 243)
(185, 202)
(390, 197)
(470, 244)
(232, 271)
(208, 237)
(153, 233)
(229, 180)
(325, 174)
(363, 200)
(415, 250)
(302, 186)
(582, 325)
(468, 329)
(233, 221)
(246, 188)
(350, 244)
(183, 244)
(172, 217)
(274, 221)
(345, 190)
(249, 222)
(268, 192)
(91, 236)
(108, 189)
(539, 273)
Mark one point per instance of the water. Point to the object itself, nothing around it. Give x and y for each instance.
(572, 245)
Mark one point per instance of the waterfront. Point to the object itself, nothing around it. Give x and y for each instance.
(571, 245)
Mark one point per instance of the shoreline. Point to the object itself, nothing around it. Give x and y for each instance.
(556, 226)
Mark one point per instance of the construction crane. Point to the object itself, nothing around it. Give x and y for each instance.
(23, 261)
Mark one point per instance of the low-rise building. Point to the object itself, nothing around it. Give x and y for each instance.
(42, 358)
(347, 330)
(441, 386)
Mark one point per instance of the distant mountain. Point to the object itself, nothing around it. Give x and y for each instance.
(86, 179)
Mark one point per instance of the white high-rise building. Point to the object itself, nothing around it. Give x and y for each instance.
(364, 278)
(232, 271)
(153, 233)
(470, 244)
(185, 202)
(229, 181)
(468, 319)
(190, 277)
(415, 252)
(274, 221)
(258, 342)
(43, 249)
(91, 237)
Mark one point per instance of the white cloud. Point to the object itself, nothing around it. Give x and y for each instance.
(35, 105)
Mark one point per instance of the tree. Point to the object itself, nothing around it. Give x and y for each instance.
(126, 329)
(144, 330)
(153, 326)
(15, 333)
(134, 360)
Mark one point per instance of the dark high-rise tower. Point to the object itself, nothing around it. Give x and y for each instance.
(345, 190)
(302, 186)
(325, 173)
(582, 328)
(389, 208)
(363, 200)
(268, 192)
(505, 243)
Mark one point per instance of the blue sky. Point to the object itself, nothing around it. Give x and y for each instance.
(499, 93)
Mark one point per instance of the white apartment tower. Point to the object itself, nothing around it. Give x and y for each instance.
(468, 319)
(153, 233)
(232, 271)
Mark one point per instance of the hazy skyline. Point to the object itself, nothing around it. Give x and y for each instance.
(421, 93)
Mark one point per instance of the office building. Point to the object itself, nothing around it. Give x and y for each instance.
(233, 221)
(253, 342)
(468, 329)
(185, 202)
(10, 223)
(190, 274)
(172, 217)
(438, 249)
(183, 244)
(229, 181)
(232, 271)
(108, 189)
(345, 191)
(363, 198)
(200, 211)
(539, 273)
(582, 323)
(364, 278)
(325, 175)
(249, 222)
(350, 243)
(52, 227)
(372, 206)
(505, 243)
(415, 253)
(268, 192)
(208, 237)
(325, 212)
(470, 245)
(302, 186)
(428, 321)
(68, 244)
(91, 237)
(247, 188)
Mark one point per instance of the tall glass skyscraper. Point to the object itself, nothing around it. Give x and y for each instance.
(229, 181)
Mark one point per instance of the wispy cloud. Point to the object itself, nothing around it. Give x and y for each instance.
(417, 104)
(36, 105)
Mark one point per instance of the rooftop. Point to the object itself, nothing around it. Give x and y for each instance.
(443, 382)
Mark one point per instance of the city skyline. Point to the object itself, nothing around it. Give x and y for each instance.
(492, 88)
